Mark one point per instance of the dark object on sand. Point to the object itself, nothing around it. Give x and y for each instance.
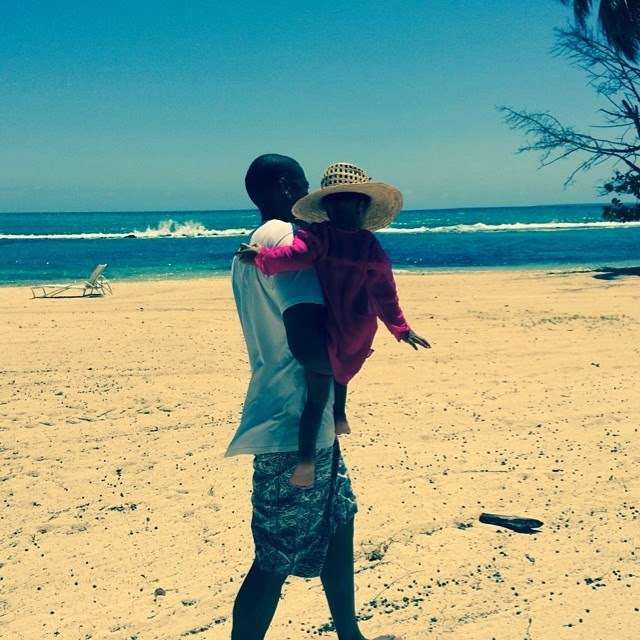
(515, 523)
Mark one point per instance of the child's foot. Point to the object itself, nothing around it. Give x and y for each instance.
(303, 475)
(342, 425)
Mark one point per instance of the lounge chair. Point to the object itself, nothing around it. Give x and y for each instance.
(95, 285)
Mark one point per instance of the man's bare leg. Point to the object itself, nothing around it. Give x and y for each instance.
(338, 583)
(255, 604)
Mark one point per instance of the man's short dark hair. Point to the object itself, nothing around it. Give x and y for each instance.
(264, 172)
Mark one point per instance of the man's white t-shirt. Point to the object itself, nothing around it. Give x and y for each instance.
(277, 390)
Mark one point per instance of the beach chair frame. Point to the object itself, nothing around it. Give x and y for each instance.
(96, 285)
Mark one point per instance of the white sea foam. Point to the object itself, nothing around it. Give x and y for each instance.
(165, 229)
(481, 227)
(173, 229)
(193, 229)
(61, 236)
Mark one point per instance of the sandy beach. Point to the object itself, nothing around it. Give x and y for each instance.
(121, 519)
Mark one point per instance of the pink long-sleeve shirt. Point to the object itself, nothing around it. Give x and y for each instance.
(358, 285)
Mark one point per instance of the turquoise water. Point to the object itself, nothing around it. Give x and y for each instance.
(45, 247)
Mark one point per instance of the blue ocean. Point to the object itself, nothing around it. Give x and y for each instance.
(37, 248)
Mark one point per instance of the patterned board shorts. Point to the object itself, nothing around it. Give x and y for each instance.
(291, 526)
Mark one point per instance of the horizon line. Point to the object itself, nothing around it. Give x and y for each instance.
(125, 211)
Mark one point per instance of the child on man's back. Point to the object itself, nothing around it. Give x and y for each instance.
(357, 281)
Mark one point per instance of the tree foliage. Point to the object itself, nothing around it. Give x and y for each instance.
(619, 22)
(615, 78)
(627, 183)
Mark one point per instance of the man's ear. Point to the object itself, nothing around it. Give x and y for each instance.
(283, 183)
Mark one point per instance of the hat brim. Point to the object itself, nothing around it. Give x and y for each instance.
(385, 205)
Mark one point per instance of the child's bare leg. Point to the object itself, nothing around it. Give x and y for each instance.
(340, 408)
(318, 388)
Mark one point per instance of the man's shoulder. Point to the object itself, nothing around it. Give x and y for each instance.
(273, 233)
(286, 289)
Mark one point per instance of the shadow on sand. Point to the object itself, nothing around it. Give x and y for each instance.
(611, 273)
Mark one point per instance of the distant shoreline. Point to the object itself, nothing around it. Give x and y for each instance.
(610, 271)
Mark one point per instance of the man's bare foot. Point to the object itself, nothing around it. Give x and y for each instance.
(342, 425)
(303, 475)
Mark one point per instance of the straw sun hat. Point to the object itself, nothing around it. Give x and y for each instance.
(344, 177)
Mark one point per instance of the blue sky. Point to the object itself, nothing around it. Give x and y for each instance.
(148, 105)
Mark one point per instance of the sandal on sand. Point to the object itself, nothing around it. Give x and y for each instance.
(515, 523)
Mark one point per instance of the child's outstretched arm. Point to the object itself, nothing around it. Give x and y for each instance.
(384, 296)
(383, 293)
(415, 340)
(300, 254)
(247, 253)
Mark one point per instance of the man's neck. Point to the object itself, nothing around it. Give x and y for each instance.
(266, 216)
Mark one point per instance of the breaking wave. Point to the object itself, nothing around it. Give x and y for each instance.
(193, 229)
(481, 227)
(165, 229)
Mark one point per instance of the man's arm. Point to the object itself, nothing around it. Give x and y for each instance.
(305, 331)
(297, 294)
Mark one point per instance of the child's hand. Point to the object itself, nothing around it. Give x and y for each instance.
(247, 253)
(415, 340)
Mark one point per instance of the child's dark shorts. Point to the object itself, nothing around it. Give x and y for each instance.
(291, 526)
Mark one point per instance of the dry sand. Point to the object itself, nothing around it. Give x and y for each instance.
(115, 414)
